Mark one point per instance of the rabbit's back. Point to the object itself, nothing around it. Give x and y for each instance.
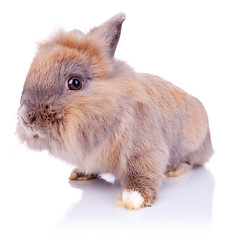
(182, 119)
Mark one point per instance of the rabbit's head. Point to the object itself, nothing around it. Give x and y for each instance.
(70, 95)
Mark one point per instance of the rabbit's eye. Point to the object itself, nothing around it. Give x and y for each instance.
(75, 83)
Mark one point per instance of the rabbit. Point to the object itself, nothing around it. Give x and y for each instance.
(98, 114)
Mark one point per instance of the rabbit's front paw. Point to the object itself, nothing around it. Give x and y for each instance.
(79, 176)
(130, 199)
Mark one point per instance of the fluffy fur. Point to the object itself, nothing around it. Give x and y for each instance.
(135, 126)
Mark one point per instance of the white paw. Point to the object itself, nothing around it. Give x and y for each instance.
(132, 199)
(108, 177)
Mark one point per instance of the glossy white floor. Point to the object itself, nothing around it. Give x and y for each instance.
(194, 45)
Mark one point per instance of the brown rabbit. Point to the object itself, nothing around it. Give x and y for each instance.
(97, 113)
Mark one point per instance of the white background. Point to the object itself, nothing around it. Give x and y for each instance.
(195, 45)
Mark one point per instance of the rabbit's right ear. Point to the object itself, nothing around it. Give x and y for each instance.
(109, 32)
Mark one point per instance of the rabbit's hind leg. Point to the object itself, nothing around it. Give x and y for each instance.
(183, 168)
(193, 159)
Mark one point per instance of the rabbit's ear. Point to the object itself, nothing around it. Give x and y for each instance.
(77, 33)
(109, 32)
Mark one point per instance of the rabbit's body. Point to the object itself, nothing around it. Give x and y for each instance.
(147, 118)
(136, 126)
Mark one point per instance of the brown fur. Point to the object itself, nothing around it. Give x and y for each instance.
(135, 126)
(179, 96)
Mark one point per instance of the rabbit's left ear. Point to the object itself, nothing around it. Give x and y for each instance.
(109, 32)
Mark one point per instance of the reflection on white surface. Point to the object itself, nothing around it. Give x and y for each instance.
(183, 200)
(39, 198)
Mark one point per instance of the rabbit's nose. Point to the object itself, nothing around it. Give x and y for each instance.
(31, 120)
(27, 119)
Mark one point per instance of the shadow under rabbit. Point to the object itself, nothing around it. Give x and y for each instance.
(183, 200)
